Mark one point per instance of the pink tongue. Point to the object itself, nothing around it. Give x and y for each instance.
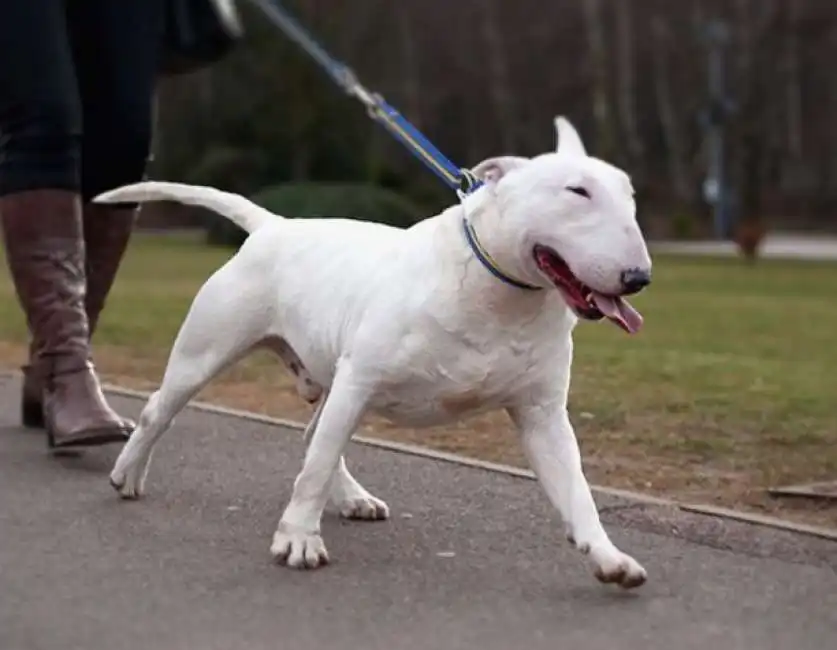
(619, 311)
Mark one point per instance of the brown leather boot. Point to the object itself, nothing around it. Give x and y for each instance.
(107, 231)
(31, 399)
(45, 253)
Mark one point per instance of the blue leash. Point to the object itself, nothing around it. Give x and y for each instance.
(379, 110)
(459, 179)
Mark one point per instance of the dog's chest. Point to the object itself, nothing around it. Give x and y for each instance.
(447, 383)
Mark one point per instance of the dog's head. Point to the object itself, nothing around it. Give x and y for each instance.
(572, 219)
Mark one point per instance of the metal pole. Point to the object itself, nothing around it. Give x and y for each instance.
(717, 189)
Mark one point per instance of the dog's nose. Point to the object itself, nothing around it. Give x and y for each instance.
(634, 280)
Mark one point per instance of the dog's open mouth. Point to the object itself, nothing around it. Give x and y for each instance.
(584, 301)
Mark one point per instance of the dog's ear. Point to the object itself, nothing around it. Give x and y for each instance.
(568, 139)
(492, 170)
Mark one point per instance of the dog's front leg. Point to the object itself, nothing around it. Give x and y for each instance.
(297, 541)
(552, 450)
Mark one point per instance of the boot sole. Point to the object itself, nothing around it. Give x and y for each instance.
(90, 438)
(32, 416)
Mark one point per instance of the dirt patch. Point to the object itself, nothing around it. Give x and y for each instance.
(611, 457)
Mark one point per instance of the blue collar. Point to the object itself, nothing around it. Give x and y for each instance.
(485, 259)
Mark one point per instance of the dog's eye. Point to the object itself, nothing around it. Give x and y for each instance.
(580, 191)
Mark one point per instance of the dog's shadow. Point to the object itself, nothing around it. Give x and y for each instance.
(84, 461)
(596, 595)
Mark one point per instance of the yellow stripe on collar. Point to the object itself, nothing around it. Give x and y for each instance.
(488, 262)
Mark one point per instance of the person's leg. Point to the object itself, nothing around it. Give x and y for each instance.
(115, 49)
(40, 211)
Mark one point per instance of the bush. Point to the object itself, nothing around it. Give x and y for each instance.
(220, 231)
(313, 200)
(346, 200)
(227, 168)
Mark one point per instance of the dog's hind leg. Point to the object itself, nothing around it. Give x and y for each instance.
(297, 541)
(213, 336)
(352, 500)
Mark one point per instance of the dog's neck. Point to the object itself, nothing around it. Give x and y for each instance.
(494, 244)
(489, 298)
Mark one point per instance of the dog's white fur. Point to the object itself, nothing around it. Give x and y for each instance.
(408, 324)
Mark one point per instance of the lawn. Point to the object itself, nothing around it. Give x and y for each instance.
(728, 390)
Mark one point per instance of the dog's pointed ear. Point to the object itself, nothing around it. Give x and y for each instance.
(567, 138)
(491, 170)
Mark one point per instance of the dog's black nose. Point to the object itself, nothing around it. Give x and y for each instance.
(634, 280)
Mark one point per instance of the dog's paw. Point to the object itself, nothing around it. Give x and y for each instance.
(298, 549)
(612, 566)
(364, 508)
(128, 482)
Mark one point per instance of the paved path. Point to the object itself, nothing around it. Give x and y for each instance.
(188, 567)
(776, 246)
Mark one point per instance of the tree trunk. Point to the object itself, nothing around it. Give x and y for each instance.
(675, 146)
(410, 75)
(499, 82)
(626, 78)
(597, 51)
(793, 88)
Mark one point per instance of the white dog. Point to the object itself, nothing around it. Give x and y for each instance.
(468, 311)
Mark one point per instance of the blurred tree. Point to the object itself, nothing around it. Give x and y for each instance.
(486, 77)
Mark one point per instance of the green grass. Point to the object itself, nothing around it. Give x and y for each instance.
(751, 347)
(732, 378)
(730, 386)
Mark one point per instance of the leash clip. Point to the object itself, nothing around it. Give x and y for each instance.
(467, 183)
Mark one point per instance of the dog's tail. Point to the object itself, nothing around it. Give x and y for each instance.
(241, 211)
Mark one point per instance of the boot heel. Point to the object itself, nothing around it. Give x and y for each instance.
(31, 400)
(31, 413)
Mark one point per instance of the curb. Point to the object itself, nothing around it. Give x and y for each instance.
(508, 470)
(447, 457)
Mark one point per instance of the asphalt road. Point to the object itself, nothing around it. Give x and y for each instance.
(470, 559)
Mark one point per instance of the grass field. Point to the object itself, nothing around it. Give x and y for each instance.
(729, 389)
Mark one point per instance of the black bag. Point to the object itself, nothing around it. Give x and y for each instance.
(197, 33)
